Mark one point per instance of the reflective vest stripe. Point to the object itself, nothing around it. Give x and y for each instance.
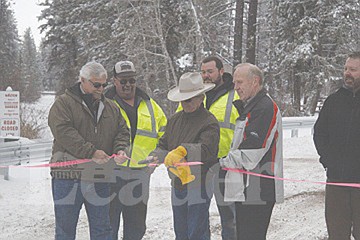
(230, 126)
(146, 133)
(153, 133)
(226, 123)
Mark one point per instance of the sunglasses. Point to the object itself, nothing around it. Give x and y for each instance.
(125, 81)
(98, 85)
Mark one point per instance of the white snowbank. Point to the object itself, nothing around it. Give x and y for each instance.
(27, 208)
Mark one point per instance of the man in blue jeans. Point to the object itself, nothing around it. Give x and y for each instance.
(147, 121)
(85, 125)
(191, 135)
(69, 196)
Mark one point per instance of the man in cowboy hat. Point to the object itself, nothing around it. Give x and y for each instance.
(191, 137)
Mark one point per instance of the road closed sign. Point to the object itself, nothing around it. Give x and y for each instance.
(9, 113)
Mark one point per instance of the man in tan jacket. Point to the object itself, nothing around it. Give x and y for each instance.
(85, 125)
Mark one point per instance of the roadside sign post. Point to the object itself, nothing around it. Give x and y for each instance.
(9, 113)
(9, 118)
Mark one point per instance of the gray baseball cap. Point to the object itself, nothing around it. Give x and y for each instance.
(124, 69)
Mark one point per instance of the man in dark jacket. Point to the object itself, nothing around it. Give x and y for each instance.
(219, 102)
(256, 147)
(85, 125)
(191, 135)
(337, 140)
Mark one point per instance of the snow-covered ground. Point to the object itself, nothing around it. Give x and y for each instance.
(26, 208)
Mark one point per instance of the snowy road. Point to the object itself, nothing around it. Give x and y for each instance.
(27, 210)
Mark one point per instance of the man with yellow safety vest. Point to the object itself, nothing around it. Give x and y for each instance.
(219, 103)
(146, 121)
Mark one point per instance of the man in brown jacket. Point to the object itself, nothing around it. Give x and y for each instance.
(191, 135)
(85, 125)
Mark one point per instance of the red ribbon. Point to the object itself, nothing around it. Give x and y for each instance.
(56, 164)
(81, 161)
(356, 185)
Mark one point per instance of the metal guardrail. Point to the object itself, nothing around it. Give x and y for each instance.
(294, 123)
(18, 153)
(298, 122)
(15, 153)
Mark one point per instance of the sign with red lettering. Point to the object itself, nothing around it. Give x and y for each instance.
(9, 113)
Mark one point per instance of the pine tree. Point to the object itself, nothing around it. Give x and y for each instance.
(30, 85)
(9, 48)
(44, 55)
(217, 23)
(64, 42)
(307, 48)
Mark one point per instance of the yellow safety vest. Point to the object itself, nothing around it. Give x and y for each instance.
(151, 122)
(226, 113)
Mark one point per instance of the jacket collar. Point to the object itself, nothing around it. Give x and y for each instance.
(86, 100)
(348, 91)
(194, 113)
(243, 109)
(227, 86)
(75, 92)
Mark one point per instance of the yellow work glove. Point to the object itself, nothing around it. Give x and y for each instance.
(175, 156)
(184, 173)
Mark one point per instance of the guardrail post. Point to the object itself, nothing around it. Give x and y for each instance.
(5, 171)
(6, 174)
(294, 133)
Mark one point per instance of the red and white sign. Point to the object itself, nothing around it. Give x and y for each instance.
(9, 113)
